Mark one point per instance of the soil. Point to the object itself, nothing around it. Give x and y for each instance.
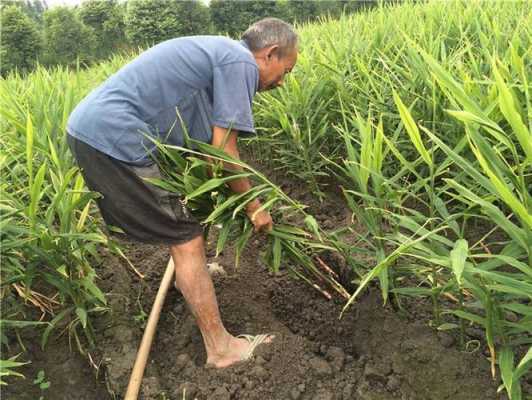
(373, 352)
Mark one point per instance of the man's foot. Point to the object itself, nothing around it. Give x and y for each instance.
(237, 349)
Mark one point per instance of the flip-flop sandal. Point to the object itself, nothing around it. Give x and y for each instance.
(254, 342)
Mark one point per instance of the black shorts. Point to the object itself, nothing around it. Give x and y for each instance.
(143, 211)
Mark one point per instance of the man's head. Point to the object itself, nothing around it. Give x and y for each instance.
(274, 45)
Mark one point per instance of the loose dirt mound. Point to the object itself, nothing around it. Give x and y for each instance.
(370, 354)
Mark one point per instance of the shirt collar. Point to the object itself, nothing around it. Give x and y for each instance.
(243, 43)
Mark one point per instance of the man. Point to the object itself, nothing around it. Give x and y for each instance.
(210, 82)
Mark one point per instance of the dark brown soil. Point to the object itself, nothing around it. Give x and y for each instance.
(372, 353)
(69, 374)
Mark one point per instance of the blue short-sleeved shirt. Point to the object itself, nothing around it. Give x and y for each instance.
(207, 80)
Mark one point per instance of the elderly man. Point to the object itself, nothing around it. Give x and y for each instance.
(210, 82)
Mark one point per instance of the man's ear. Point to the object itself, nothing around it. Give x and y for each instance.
(272, 51)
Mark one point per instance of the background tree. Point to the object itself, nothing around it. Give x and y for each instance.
(194, 18)
(232, 17)
(350, 6)
(107, 21)
(301, 11)
(67, 38)
(32, 8)
(36, 9)
(152, 21)
(20, 42)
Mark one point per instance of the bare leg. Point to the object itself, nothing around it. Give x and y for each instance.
(195, 283)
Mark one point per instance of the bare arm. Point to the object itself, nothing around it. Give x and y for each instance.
(228, 141)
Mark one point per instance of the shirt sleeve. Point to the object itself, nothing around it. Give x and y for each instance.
(234, 86)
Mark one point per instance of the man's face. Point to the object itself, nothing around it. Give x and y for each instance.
(272, 69)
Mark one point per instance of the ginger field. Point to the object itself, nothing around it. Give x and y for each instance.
(397, 164)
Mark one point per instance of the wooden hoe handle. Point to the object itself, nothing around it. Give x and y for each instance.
(135, 380)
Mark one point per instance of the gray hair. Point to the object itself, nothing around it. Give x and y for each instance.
(269, 32)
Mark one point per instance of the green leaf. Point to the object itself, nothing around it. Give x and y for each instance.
(162, 184)
(470, 317)
(213, 184)
(88, 283)
(82, 314)
(8, 323)
(386, 263)
(513, 230)
(506, 364)
(447, 326)
(62, 271)
(503, 191)
(53, 323)
(312, 224)
(36, 194)
(242, 240)
(224, 235)
(29, 149)
(44, 385)
(458, 258)
(510, 112)
(524, 365)
(412, 129)
(414, 292)
(447, 81)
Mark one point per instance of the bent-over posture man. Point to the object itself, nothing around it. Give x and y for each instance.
(210, 81)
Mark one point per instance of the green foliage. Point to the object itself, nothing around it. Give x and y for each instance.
(48, 233)
(20, 42)
(41, 380)
(7, 368)
(194, 18)
(106, 19)
(152, 21)
(67, 38)
(233, 17)
(36, 9)
(203, 184)
(32, 8)
(98, 28)
(428, 131)
(301, 11)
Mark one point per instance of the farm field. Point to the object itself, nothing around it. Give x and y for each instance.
(397, 164)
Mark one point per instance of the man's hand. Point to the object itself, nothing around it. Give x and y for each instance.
(262, 220)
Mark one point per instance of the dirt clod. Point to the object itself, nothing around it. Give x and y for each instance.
(336, 357)
(221, 393)
(446, 340)
(347, 392)
(259, 372)
(324, 394)
(393, 383)
(295, 394)
(373, 374)
(320, 366)
(186, 390)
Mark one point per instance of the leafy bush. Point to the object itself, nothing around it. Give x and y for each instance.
(20, 41)
(68, 40)
(106, 19)
(233, 17)
(152, 21)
